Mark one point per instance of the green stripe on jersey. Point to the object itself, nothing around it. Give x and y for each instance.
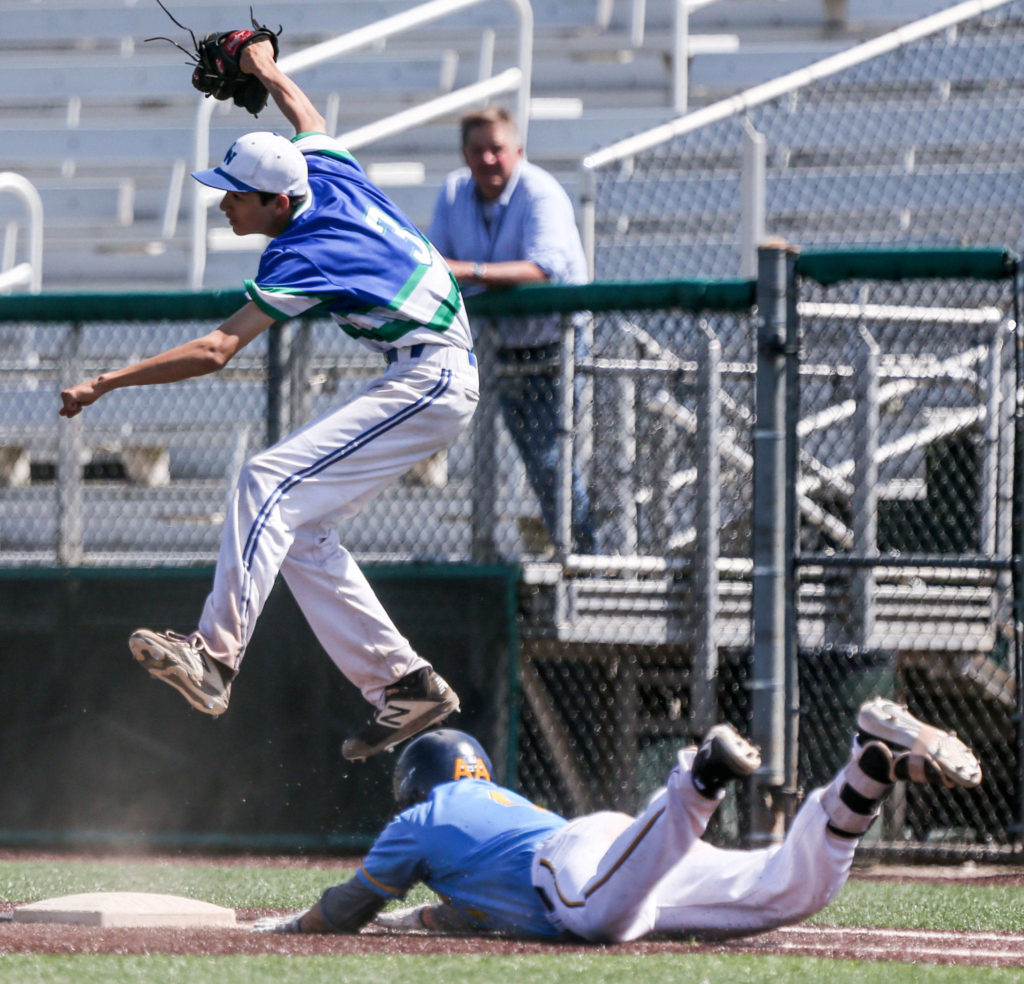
(440, 321)
(389, 331)
(408, 287)
(449, 308)
(260, 302)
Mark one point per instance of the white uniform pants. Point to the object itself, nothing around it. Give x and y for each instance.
(611, 877)
(289, 497)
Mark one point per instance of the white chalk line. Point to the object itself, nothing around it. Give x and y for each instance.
(904, 934)
(865, 951)
(914, 942)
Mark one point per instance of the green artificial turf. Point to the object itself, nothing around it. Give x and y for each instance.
(910, 904)
(549, 968)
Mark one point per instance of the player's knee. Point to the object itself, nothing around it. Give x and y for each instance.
(617, 927)
(257, 478)
(797, 905)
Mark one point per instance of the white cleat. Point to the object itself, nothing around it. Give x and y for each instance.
(886, 721)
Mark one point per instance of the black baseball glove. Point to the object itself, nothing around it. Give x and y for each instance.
(216, 59)
(218, 74)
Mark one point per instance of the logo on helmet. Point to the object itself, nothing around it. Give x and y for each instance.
(435, 758)
(473, 769)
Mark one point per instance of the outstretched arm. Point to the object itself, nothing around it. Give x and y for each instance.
(345, 908)
(258, 59)
(198, 357)
(440, 918)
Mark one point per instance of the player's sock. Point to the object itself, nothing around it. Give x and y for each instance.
(854, 797)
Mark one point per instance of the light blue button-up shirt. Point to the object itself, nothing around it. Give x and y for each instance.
(533, 219)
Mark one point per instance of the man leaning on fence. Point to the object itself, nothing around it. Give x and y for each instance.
(501, 222)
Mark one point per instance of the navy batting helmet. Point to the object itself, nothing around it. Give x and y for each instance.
(436, 757)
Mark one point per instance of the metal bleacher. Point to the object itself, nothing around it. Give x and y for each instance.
(102, 121)
(915, 145)
(841, 205)
(106, 132)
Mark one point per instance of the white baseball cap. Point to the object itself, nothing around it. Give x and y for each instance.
(260, 161)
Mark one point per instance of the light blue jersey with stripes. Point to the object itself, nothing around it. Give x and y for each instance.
(473, 843)
(351, 252)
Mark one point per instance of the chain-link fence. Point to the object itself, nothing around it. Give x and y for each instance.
(902, 451)
(143, 476)
(916, 145)
(625, 649)
(900, 440)
(906, 428)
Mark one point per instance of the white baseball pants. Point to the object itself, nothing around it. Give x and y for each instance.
(610, 877)
(289, 497)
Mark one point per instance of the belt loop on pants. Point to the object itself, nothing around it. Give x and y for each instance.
(415, 351)
(412, 352)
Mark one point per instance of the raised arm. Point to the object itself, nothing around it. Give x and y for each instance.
(258, 59)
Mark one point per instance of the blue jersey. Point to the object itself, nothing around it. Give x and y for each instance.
(472, 842)
(351, 252)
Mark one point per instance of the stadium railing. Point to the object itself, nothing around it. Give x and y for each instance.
(28, 273)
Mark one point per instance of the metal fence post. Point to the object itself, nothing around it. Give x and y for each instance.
(615, 464)
(768, 582)
(276, 344)
(298, 373)
(484, 504)
(1004, 455)
(680, 55)
(704, 661)
(794, 357)
(754, 195)
(566, 415)
(864, 504)
(583, 405)
(70, 485)
(1017, 525)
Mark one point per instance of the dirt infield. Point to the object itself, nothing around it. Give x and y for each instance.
(920, 947)
(962, 949)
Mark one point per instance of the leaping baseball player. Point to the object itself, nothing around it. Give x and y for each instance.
(503, 865)
(338, 245)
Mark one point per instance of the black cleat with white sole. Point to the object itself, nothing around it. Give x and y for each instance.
(724, 755)
(924, 753)
(415, 702)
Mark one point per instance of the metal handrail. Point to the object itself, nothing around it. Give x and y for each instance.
(31, 271)
(735, 106)
(681, 45)
(516, 79)
(638, 16)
